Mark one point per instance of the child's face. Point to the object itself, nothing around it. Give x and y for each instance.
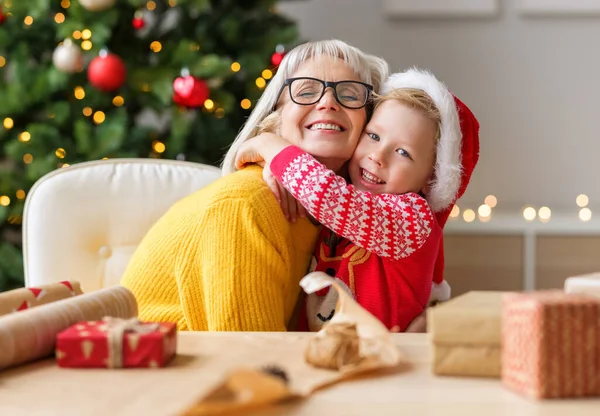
(396, 152)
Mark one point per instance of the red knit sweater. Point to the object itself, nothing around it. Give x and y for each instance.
(382, 247)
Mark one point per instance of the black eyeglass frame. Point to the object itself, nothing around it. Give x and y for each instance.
(326, 84)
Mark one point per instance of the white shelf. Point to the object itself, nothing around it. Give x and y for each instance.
(514, 224)
(559, 7)
(441, 8)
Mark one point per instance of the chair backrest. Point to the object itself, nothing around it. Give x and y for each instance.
(85, 221)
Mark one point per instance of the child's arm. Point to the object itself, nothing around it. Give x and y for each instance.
(391, 226)
(262, 149)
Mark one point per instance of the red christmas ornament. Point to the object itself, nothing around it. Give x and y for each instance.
(189, 91)
(276, 58)
(107, 72)
(138, 21)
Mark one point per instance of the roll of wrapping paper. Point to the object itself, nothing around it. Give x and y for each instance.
(30, 297)
(31, 334)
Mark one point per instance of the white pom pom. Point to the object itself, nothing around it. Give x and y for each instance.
(440, 292)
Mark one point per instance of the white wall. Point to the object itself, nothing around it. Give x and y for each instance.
(533, 83)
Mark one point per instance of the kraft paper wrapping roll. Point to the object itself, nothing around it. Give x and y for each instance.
(30, 297)
(31, 334)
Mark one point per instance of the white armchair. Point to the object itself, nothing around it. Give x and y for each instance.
(84, 222)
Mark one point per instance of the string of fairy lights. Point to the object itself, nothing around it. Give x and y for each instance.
(530, 213)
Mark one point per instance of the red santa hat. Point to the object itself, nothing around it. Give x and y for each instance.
(456, 157)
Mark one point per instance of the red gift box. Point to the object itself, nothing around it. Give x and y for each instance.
(551, 344)
(116, 343)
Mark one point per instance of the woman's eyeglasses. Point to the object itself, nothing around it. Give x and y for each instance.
(308, 91)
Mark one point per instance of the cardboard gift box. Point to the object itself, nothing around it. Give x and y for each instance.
(551, 344)
(465, 335)
(587, 283)
(116, 343)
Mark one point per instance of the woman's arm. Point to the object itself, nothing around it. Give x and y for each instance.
(391, 226)
(237, 274)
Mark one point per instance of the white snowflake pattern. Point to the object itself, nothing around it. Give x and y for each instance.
(380, 231)
(387, 225)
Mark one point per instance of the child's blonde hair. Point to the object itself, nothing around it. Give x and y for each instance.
(270, 124)
(415, 99)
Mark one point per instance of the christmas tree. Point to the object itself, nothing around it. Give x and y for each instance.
(92, 79)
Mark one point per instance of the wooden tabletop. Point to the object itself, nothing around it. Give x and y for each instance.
(44, 389)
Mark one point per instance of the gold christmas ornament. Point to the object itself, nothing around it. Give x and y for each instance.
(96, 5)
(67, 57)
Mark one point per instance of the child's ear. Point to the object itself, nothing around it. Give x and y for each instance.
(425, 189)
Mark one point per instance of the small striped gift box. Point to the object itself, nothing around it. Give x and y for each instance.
(551, 344)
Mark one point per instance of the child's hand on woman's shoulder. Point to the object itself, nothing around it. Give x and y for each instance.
(262, 149)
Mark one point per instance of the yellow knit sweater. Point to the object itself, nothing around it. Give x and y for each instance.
(223, 259)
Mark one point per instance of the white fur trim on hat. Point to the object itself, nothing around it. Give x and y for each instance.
(440, 292)
(447, 173)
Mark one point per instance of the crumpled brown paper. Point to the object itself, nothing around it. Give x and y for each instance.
(250, 388)
(337, 349)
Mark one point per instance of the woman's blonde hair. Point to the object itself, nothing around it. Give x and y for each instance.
(371, 70)
(415, 99)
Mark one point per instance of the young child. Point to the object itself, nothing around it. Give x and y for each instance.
(384, 231)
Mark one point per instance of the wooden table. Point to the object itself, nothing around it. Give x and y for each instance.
(44, 389)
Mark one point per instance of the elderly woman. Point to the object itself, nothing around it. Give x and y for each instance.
(225, 258)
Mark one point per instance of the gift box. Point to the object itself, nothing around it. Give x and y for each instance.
(551, 344)
(465, 335)
(116, 343)
(587, 283)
